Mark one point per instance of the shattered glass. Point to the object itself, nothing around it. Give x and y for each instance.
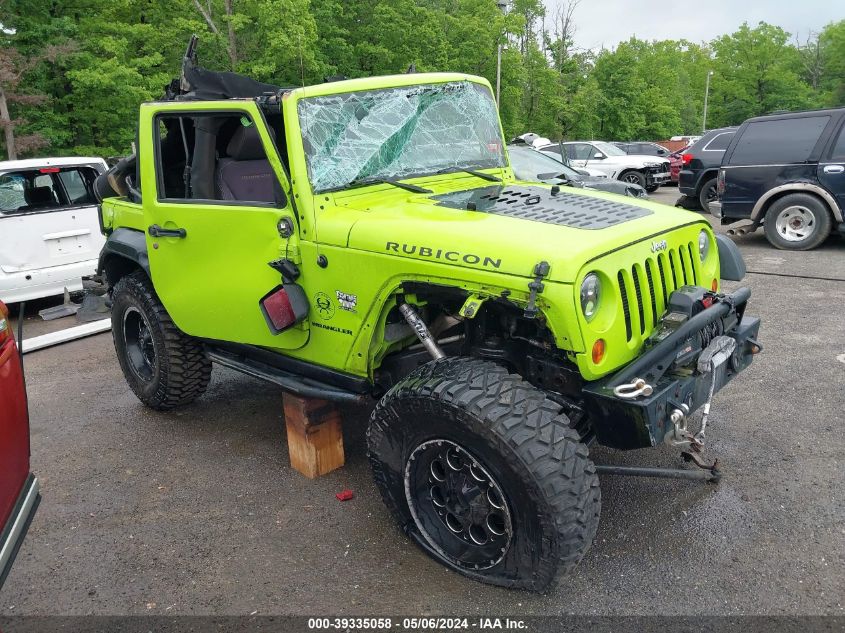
(396, 133)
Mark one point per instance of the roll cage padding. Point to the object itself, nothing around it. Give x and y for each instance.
(124, 251)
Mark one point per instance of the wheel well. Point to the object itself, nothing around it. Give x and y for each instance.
(115, 267)
(706, 177)
(782, 194)
(499, 331)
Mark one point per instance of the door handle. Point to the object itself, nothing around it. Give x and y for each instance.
(156, 231)
(834, 169)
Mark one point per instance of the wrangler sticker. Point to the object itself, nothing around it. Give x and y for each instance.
(441, 254)
(331, 328)
(346, 301)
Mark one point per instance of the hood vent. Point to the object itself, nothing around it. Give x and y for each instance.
(540, 204)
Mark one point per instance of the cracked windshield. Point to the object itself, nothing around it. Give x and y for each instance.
(360, 137)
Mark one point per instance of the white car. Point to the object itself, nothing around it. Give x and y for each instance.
(646, 171)
(49, 226)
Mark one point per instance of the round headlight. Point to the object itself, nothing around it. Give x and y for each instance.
(590, 295)
(703, 244)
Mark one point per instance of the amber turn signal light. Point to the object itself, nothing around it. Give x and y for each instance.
(598, 351)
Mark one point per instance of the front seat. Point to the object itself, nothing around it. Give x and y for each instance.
(245, 174)
(38, 198)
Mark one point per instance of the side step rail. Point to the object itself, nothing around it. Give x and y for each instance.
(292, 383)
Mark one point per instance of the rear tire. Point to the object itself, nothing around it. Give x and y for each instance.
(485, 473)
(707, 195)
(797, 222)
(164, 367)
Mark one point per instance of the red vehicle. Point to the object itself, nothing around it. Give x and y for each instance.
(18, 486)
(676, 161)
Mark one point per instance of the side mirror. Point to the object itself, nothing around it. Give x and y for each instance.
(598, 156)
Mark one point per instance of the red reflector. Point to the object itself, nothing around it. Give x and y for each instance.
(686, 158)
(49, 170)
(278, 310)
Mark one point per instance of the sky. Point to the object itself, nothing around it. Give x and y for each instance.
(608, 22)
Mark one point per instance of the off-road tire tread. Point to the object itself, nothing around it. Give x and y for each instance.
(185, 368)
(531, 433)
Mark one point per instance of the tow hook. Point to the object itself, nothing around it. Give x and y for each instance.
(633, 390)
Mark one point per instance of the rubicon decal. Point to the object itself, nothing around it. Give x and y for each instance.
(443, 255)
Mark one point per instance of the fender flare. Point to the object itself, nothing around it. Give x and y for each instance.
(125, 249)
(796, 187)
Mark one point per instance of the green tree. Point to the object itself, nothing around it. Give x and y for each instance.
(832, 52)
(756, 71)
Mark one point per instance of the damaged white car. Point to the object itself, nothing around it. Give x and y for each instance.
(49, 228)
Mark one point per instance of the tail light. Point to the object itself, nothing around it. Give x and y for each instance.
(720, 183)
(284, 306)
(686, 158)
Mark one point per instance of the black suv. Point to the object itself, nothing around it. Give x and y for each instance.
(700, 166)
(787, 171)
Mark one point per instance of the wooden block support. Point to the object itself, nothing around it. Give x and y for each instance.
(315, 438)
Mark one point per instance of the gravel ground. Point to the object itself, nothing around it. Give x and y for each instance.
(198, 512)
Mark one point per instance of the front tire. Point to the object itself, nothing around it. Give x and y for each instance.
(164, 367)
(485, 473)
(797, 222)
(634, 177)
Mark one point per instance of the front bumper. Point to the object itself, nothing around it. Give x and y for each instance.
(656, 178)
(18, 524)
(645, 420)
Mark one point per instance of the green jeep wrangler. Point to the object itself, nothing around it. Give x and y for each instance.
(365, 241)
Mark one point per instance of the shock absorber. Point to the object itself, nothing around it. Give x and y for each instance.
(420, 329)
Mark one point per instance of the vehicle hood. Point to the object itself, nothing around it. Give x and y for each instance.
(505, 228)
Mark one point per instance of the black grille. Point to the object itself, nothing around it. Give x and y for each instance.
(625, 309)
(675, 267)
(649, 265)
(639, 298)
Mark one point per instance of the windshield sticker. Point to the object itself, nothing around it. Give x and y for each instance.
(346, 301)
(359, 137)
(444, 255)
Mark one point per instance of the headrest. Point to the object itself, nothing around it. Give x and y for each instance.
(39, 196)
(246, 144)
